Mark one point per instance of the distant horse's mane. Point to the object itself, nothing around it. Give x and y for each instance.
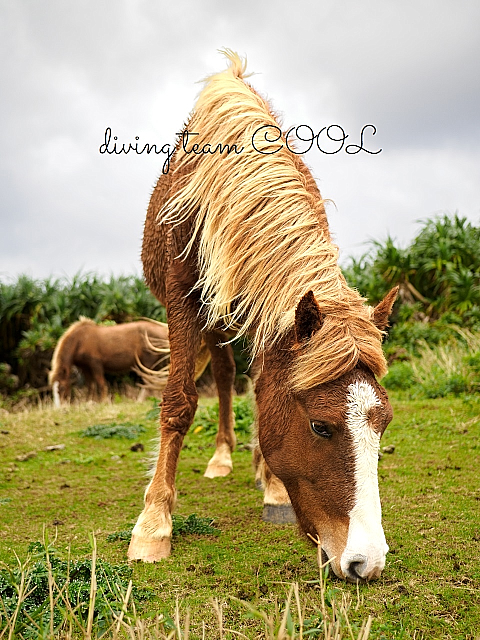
(262, 237)
(58, 349)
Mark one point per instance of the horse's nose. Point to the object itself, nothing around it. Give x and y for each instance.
(355, 569)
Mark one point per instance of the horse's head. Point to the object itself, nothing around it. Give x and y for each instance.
(323, 444)
(59, 380)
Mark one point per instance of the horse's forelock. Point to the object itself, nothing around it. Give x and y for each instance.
(338, 347)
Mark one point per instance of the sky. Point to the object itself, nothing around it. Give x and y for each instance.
(70, 70)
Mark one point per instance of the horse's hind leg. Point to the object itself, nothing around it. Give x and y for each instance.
(151, 535)
(223, 368)
(277, 507)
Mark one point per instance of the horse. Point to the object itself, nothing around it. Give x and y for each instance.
(236, 239)
(98, 349)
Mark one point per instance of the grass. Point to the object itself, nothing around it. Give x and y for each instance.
(430, 494)
(55, 599)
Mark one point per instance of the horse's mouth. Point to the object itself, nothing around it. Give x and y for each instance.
(350, 576)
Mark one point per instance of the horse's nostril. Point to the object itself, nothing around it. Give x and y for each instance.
(355, 568)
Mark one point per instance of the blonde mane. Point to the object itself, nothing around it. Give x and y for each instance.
(56, 354)
(262, 237)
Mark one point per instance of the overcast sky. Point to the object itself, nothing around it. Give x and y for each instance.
(71, 69)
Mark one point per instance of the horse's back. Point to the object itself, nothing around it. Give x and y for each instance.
(113, 347)
(163, 242)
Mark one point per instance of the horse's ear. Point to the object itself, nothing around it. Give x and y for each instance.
(308, 317)
(383, 309)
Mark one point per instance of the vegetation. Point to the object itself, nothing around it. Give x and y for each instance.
(449, 368)
(112, 430)
(181, 525)
(433, 345)
(45, 595)
(206, 418)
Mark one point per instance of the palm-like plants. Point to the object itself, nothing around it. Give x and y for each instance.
(440, 269)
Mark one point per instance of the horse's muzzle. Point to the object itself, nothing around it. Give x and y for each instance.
(356, 568)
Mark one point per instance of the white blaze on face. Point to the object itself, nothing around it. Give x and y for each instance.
(56, 394)
(366, 543)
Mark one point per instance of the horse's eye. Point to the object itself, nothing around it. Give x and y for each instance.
(321, 429)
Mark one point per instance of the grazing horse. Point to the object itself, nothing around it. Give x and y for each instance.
(99, 349)
(236, 238)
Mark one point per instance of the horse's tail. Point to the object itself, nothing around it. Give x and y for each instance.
(203, 358)
(156, 379)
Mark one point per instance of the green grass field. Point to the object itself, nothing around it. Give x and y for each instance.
(430, 493)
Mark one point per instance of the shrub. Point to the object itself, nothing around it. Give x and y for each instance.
(439, 270)
(112, 430)
(449, 368)
(400, 376)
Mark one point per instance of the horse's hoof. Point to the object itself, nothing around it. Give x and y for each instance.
(149, 549)
(279, 514)
(217, 471)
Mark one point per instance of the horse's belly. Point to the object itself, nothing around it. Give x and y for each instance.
(113, 362)
(119, 363)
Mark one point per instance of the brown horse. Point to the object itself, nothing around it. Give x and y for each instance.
(99, 349)
(236, 237)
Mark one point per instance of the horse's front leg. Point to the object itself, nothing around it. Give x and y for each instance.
(151, 536)
(223, 368)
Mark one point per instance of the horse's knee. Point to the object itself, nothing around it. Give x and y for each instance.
(178, 409)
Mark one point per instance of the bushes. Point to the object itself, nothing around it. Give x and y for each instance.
(452, 367)
(439, 272)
